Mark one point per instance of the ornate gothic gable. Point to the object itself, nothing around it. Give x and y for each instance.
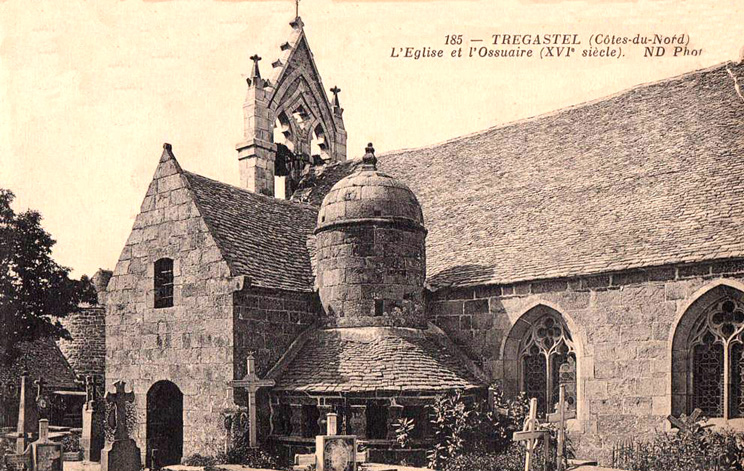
(290, 123)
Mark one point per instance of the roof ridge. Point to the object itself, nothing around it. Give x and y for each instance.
(253, 194)
(560, 110)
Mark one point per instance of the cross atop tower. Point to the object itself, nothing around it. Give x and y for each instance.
(255, 73)
(297, 8)
(335, 90)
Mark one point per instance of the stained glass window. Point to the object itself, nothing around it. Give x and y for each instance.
(717, 359)
(547, 360)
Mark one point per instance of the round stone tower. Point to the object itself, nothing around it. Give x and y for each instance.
(371, 254)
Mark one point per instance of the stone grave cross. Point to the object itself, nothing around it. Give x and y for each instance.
(252, 383)
(530, 435)
(42, 401)
(559, 417)
(119, 399)
(91, 388)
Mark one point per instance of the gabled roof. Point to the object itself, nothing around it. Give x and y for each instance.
(651, 176)
(260, 237)
(42, 358)
(374, 359)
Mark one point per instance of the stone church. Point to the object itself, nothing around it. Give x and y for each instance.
(599, 247)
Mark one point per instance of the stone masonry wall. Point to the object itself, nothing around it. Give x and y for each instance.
(266, 323)
(86, 352)
(189, 344)
(622, 323)
(367, 265)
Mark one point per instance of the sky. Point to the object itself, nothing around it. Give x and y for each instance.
(89, 91)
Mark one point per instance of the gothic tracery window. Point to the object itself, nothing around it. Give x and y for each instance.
(547, 360)
(716, 356)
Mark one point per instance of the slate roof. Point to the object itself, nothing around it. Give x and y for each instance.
(651, 176)
(42, 358)
(261, 237)
(375, 359)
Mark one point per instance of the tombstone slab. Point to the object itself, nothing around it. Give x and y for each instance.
(122, 454)
(92, 436)
(335, 453)
(47, 455)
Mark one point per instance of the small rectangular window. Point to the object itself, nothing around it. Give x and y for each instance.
(379, 307)
(164, 283)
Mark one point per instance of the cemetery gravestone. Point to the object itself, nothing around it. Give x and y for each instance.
(27, 415)
(47, 455)
(559, 417)
(18, 462)
(122, 454)
(92, 437)
(335, 452)
(42, 400)
(531, 435)
(252, 383)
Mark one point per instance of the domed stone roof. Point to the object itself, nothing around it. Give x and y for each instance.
(369, 195)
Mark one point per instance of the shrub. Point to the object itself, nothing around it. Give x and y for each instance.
(509, 459)
(71, 443)
(696, 449)
(403, 429)
(199, 460)
(251, 457)
(450, 421)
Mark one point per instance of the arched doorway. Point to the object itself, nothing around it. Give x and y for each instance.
(164, 423)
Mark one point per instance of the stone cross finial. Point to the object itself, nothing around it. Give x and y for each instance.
(255, 73)
(335, 90)
(297, 8)
(369, 160)
(119, 399)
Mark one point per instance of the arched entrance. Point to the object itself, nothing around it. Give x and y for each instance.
(164, 423)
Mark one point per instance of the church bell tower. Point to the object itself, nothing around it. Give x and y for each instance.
(289, 121)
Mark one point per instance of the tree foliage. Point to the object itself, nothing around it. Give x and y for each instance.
(35, 291)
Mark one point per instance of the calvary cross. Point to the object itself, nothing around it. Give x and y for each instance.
(119, 399)
(559, 417)
(531, 435)
(251, 383)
